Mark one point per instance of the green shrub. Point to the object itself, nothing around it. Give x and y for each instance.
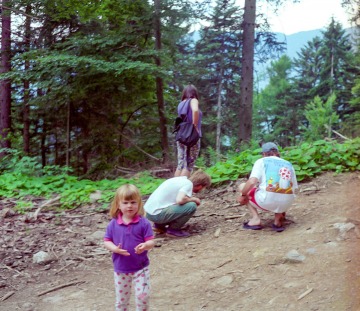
(22, 177)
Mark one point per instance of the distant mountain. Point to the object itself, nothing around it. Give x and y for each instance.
(298, 40)
(294, 43)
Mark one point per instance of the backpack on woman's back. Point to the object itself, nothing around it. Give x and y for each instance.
(186, 132)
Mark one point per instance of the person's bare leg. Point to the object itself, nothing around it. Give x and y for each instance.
(255, 219)
(278, 219)
(241, 187)
(185, 172)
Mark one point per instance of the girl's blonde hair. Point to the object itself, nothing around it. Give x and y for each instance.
(126, 192)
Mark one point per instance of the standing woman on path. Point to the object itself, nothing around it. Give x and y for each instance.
(189, 106)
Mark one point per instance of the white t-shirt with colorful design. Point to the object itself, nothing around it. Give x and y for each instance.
(277, 182)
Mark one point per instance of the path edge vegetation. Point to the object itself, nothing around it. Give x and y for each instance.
(25, 181)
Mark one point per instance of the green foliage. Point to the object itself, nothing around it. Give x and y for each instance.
(209, 157)
(23, 206)
(322, 155)
(88, 73)
(309, 159)
(235, 167)
(325, 65)
(352, 125)
(338, 71)
(321, 117)
(275, 104)
(95, 67)
(20, 181)
(217, 64)
(18, 164)
(14, 161)
(91, 67)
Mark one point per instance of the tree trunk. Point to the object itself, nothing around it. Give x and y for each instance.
(43, 144)
(5, 85)
(56, 147)
(247, 72)
(68, 139)
(159, 86)
(26, 107)
(85, 152)
(218, 117)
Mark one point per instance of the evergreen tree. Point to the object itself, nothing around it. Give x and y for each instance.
(88, 97)
(247, 72)
(277, 114)
(218, 62)
(337, 72)
(5, 83)
(172, 19)
(84, 59)
(352, 125)
(321, 117)
(265, 44)
(325, 66)
(307, 67)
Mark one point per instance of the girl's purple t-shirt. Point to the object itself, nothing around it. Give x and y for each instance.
(129, 236)
(183, 109)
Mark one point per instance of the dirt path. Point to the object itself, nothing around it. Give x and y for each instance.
(220, 267)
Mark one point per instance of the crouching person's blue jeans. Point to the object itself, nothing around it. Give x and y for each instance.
(175, 215)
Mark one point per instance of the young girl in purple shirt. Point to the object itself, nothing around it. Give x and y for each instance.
(129, 237)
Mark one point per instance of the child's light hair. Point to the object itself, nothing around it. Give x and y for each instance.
(126, 192)
(200, 178)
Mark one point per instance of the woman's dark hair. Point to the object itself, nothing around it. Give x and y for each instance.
(190, 91)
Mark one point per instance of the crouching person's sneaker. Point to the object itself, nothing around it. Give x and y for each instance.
(173, 233)
(159, 229)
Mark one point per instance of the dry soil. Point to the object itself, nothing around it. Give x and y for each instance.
(312, 265)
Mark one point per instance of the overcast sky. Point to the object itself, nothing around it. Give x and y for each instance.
(306, 15)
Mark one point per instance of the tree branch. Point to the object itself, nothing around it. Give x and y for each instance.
(59, 287)
(20, 12)
(138, 148)
(337, 133)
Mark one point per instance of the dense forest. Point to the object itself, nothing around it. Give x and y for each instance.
(94, 85)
